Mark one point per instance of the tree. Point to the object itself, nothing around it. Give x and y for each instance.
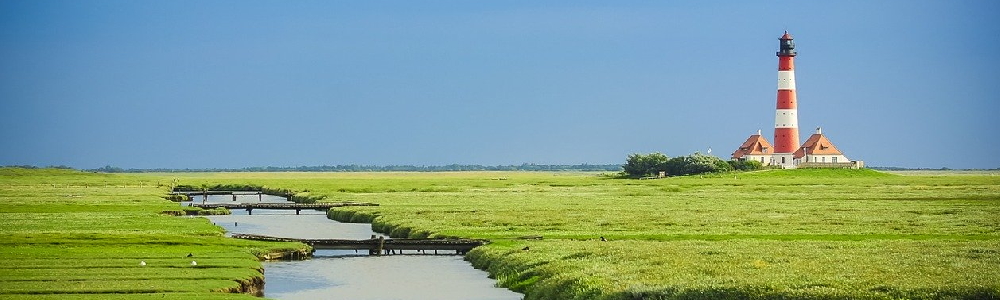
(746, 165)
(721, 165)
(696, 163)
(638, 165)
(110, 169)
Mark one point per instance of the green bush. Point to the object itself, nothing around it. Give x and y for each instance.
(746, 165)
(177, 197)
(696, 164)
(638, 165)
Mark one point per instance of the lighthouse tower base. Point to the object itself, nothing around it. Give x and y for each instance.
(785, 160)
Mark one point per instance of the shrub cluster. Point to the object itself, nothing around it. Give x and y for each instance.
(746, 165)
(639, 165)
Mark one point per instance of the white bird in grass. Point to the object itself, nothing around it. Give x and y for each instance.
(142, 263)
(194, 263)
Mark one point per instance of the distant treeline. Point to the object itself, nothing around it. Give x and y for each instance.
(375, 168)
(37, 167)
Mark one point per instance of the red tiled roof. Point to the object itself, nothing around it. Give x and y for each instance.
(817, 144)
(755, 145)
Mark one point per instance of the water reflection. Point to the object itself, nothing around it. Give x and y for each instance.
(393, 277)
(283, 223)
(345, 274)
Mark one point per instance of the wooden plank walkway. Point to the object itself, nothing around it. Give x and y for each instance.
(298, 207)
(378, 245)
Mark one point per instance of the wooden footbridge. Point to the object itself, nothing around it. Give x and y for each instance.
(201, 193)
(298, 207)
(378, 245)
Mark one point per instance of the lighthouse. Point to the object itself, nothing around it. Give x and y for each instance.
(816, 152)
(786, 119)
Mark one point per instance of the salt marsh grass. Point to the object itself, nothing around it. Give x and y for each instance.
(814, 234)
(73, 235)
(802, 234)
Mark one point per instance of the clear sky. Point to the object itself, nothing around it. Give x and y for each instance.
(227, 84)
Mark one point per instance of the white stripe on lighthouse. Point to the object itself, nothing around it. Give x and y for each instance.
(786, 80)
(785, 118)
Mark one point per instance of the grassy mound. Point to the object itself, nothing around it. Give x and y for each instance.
(819, 173)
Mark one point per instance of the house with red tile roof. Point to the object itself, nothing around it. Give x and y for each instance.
(819, 149)
(755, 148)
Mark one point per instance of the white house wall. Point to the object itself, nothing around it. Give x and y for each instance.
(826, 159)
(764, 159)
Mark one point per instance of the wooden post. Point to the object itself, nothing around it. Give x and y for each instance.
(297, 211)
(381, 245)
(260, 196)
(234, 196)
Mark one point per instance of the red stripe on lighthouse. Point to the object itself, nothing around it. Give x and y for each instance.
(786, 140)
(786, 99)
(786, 63)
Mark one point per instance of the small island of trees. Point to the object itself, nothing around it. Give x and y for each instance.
(644, 165)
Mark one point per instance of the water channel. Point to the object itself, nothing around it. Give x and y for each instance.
(344, 274)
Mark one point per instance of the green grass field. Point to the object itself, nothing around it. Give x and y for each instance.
(72, 235)
(796, 234)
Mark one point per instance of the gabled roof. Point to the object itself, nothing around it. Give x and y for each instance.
(817, 144)
(755, 145)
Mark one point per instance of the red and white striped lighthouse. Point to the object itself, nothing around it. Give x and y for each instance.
(786, 119)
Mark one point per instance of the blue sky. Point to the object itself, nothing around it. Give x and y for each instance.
(206, 84)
